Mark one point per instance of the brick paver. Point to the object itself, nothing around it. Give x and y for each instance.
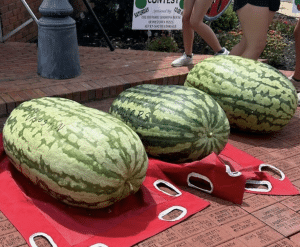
(260, 221)
(104, 74)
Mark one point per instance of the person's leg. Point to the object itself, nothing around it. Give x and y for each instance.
(239, 48)
(196, 21)
(187, 31)
(296, 75)
(255, 23)
(188, 36)
(295, 78)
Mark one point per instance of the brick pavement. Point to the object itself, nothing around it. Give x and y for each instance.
(104, 74)
(260, 221)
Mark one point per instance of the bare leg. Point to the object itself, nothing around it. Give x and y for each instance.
(255, 23)
(297, 44)
(197, 24)
(187, 31)
(239, 48)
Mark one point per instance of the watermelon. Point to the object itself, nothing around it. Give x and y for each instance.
(79, 155)
(175, 123)
(255, 96)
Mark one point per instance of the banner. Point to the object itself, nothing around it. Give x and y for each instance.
(157, 14)
(296, 6)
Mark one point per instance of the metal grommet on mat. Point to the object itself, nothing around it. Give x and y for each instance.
(99, 245)
(282, 175)
(230, 173)
(200, 178)
(169, 186)
(169, 210)
(41, 234)
(259, 182)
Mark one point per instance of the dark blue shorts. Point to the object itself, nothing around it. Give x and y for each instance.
(272, 4)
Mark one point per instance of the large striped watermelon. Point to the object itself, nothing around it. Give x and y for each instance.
(79, 155)
(255, 96)
(175, 123)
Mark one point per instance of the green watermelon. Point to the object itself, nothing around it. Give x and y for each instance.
(79, 155)
(255, 96)
(175, 123)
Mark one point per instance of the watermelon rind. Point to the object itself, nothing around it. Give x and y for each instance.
(255, 96)
(81, 156)
(175, 123)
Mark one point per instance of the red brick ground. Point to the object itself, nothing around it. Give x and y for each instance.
(104, 74)
(260, 221)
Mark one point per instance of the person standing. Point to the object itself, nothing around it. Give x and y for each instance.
(255, 16)
(295, 78)
(192, 21)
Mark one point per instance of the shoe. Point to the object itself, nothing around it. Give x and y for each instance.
(184, 60)
(296, 83)
(224, 51)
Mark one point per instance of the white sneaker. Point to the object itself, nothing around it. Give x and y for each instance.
(184, 60)
(223, 52)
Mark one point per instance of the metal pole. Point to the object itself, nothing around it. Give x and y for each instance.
(88, 6)
(58, 55)
(16, 30)
(30, 11)
(2, 39)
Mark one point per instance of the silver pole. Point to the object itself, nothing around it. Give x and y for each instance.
(30, 11)
(16, 30)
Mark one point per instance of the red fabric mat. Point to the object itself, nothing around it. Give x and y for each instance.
(229, 175)
(139, 216)
(257, 172)
(127, 222)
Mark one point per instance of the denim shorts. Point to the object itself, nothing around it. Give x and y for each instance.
(272, 4)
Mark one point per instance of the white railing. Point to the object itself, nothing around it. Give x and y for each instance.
(3, 38)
